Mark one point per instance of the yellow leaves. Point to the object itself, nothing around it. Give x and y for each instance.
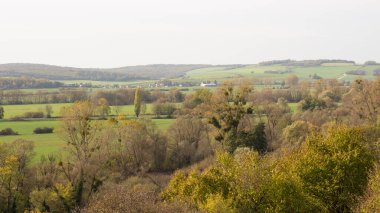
(64, 191)
(9, 165)
(217, 204)
(57, 198)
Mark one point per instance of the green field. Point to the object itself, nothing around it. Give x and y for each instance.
(49, 143)
(52, 143)
(331, 70)
(18, 110)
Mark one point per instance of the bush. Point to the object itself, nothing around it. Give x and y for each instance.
(43, 130)
(33, 115)
(28, 115)
(8, 131)
(242, 182)
(167, 109)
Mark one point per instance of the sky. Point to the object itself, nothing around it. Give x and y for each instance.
(115, 33)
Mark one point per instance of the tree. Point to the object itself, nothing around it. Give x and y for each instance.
(139, 147)
(292, 80)
(278, 116)
(200, 96)
(335, 167)
(242, 182)
(312, 103)
(363, 100)
(228, 112)
(371, 200)
(14, 173)
(48, 110)
(255, 139)
(190, 142)
(103, 107)
(137, 102)
(86, 166)
(1, 112)
(165, 108)
(295, 134)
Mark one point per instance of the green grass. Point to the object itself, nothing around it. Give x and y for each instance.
(107, 83)
(50, 143)
(293, 107)
(18, 110)
(331, 70)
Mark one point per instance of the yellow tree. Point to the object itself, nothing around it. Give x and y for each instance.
(85, 140)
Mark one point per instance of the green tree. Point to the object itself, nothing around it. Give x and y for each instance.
(255, 139)
(137, 102)
(228, 112)
(49, 111)
(103, 107)
(1, 112)
(335, 167)
(243, 182)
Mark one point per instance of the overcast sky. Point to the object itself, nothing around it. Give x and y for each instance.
(113, 33)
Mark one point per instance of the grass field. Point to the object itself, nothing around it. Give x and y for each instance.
(49, 143)
(18, 110)
(331, 70)
(52, 143)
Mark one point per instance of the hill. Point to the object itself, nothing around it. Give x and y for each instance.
(155, 71)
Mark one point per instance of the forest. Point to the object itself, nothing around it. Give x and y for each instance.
(307, 147)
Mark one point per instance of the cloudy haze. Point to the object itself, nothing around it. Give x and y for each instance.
(111, 33)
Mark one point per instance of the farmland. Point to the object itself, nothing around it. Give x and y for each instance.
(304, 73)
(18, 110)
(52, 143)
(49, 143)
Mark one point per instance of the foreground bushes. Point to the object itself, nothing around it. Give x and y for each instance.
(328, 173)
(135, 195)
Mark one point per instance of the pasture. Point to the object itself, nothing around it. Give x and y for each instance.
(49, 143)
(18, 110)
(330, 71)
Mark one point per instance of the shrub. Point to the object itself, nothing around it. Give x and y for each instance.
(167, 109)
(43, 130)
(33, 115)
(8, 131)
(243, 182)
(335, 167)
(28, 115)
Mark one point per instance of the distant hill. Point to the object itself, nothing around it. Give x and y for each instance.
(155, 71)
(305, 63)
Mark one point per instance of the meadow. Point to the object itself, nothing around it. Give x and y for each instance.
(335, 70)
(18, 110)
(53, 143)
(49, 143)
